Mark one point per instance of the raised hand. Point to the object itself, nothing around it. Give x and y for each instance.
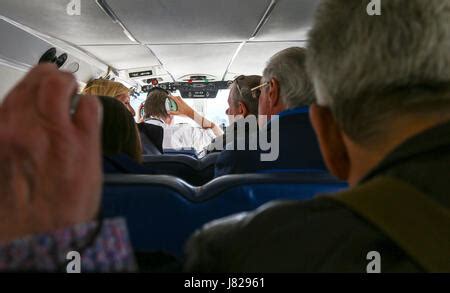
(50, 172)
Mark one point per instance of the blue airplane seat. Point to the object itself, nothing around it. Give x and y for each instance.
(163, 211)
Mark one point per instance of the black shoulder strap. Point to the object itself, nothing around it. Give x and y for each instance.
(417, 224)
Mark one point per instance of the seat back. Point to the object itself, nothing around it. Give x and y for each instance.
(163, 211)
(190, 152)
(151, 138)
(148, 147)
(194, 171)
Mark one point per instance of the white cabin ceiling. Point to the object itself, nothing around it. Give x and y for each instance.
(93, 26)
(192, 21)
(186, 36)
(180, 60)
(124, 56)
(253, 57)
(289, 21)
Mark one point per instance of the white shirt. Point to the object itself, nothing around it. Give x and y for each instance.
(183, 136)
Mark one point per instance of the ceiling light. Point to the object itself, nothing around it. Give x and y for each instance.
(129, 35)
(109, 12)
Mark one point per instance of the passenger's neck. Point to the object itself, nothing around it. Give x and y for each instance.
(363, 159)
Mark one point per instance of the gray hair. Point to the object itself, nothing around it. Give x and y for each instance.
(288, 67)
(369, 68)
(246, 83)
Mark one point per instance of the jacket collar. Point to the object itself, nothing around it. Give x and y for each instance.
(288, 113)
(294, 111)
(429, 141)
(155, 121)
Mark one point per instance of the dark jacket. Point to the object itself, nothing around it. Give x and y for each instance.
(219, 144)
(322, 235)
(298, 149)
(151, 138)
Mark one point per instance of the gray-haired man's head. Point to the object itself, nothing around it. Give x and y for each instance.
(240, 100)
(288, 67)
(368, 69)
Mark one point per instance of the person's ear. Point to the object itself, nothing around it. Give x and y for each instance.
(332, 146)
(243, 110)
(274, 93)
(122, 98)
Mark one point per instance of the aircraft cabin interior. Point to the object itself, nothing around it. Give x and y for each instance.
(181, 83)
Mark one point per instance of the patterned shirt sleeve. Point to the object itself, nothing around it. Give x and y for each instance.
(102, 247)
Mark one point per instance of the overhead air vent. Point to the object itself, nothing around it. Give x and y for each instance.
(50, 57)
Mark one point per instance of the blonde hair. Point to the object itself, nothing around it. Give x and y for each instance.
(104, 87)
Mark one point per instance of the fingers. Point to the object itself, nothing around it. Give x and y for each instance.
(88, 123)
(88, 118)
(177, 99)
(43, 137)
(52, 91)
(29, 85)
(176, 113)
(54, 97)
